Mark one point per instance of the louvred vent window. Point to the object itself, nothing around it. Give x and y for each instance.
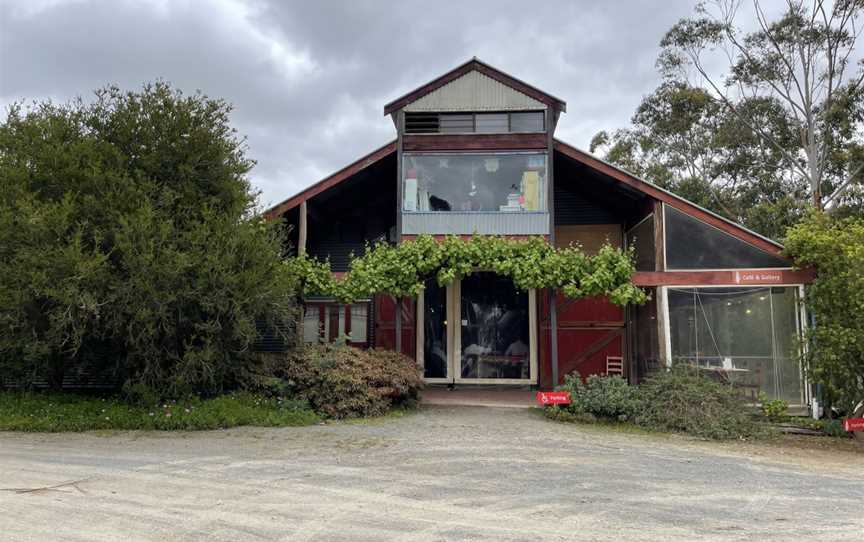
(479, 123)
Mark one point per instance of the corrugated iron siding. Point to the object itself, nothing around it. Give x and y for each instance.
(476, 222)
(474, 91)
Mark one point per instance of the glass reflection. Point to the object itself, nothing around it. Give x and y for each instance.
(745, 336)
(474, 182)
(435, 330)
(494, 326)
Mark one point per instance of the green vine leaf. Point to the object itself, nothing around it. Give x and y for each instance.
(403, 269)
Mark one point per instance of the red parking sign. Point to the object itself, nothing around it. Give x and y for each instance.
(853, 424)
(553, 398)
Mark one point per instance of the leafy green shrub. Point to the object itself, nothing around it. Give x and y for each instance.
(346, 382)
(683, 399)
(129, 245)
(773, 409)
(609, 397)
(52, 412)
(599, 397)
(140, 394)
(835, 247)
(834, 428)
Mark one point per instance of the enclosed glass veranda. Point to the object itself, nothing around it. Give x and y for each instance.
(748, 336)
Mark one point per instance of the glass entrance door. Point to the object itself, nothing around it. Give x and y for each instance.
(435, 360)
(477, 330)
(494, 330)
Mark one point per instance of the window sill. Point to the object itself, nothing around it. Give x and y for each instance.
(476, 222)
(497, 213)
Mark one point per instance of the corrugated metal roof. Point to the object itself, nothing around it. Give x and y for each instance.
(475, 91)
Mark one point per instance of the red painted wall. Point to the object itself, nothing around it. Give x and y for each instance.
(385, 324)
(583, 325)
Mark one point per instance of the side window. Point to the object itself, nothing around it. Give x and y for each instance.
(312, 324)
(641, 238)
(329, 322)
(692, 244)
(491, 123)
(359, 317)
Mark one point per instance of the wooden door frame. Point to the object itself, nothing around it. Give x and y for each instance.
(454, 341)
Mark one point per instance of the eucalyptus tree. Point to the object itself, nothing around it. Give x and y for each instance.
(806, 60)
(686, 141)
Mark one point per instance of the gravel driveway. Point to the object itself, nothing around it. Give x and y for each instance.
(444, 473)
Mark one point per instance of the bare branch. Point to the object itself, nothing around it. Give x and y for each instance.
(846, 184)
(793, 161)
(763, 22)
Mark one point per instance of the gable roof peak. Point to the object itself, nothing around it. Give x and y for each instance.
(476, 65)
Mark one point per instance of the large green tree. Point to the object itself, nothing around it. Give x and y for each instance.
(758, 116)
(805, 60)
(129, 243)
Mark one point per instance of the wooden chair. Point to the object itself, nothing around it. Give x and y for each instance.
(614, 365)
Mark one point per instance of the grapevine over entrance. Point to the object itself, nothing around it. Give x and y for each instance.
(401, 270)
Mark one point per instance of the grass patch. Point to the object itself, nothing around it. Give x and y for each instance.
(53, 412)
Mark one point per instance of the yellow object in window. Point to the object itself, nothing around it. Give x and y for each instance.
(531, 190)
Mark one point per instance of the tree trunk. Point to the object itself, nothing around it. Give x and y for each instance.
(815, 181)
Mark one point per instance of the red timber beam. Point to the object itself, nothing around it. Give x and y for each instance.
(473, 142)
(743, 277)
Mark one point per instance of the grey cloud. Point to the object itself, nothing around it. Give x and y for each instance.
(309, 79)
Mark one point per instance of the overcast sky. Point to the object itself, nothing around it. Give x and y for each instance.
(309, 79)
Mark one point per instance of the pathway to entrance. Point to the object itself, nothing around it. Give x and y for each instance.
(472, 396)
(444, 473)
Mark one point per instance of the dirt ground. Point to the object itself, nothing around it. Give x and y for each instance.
(443, 473)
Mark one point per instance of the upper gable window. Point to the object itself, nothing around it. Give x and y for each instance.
(692, 244)
(474, 182)
(478, 123)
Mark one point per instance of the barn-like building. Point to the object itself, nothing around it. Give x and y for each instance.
(475, 153)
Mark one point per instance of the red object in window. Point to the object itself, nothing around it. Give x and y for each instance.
(853, 424)
(411, 174)
(553, 398)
